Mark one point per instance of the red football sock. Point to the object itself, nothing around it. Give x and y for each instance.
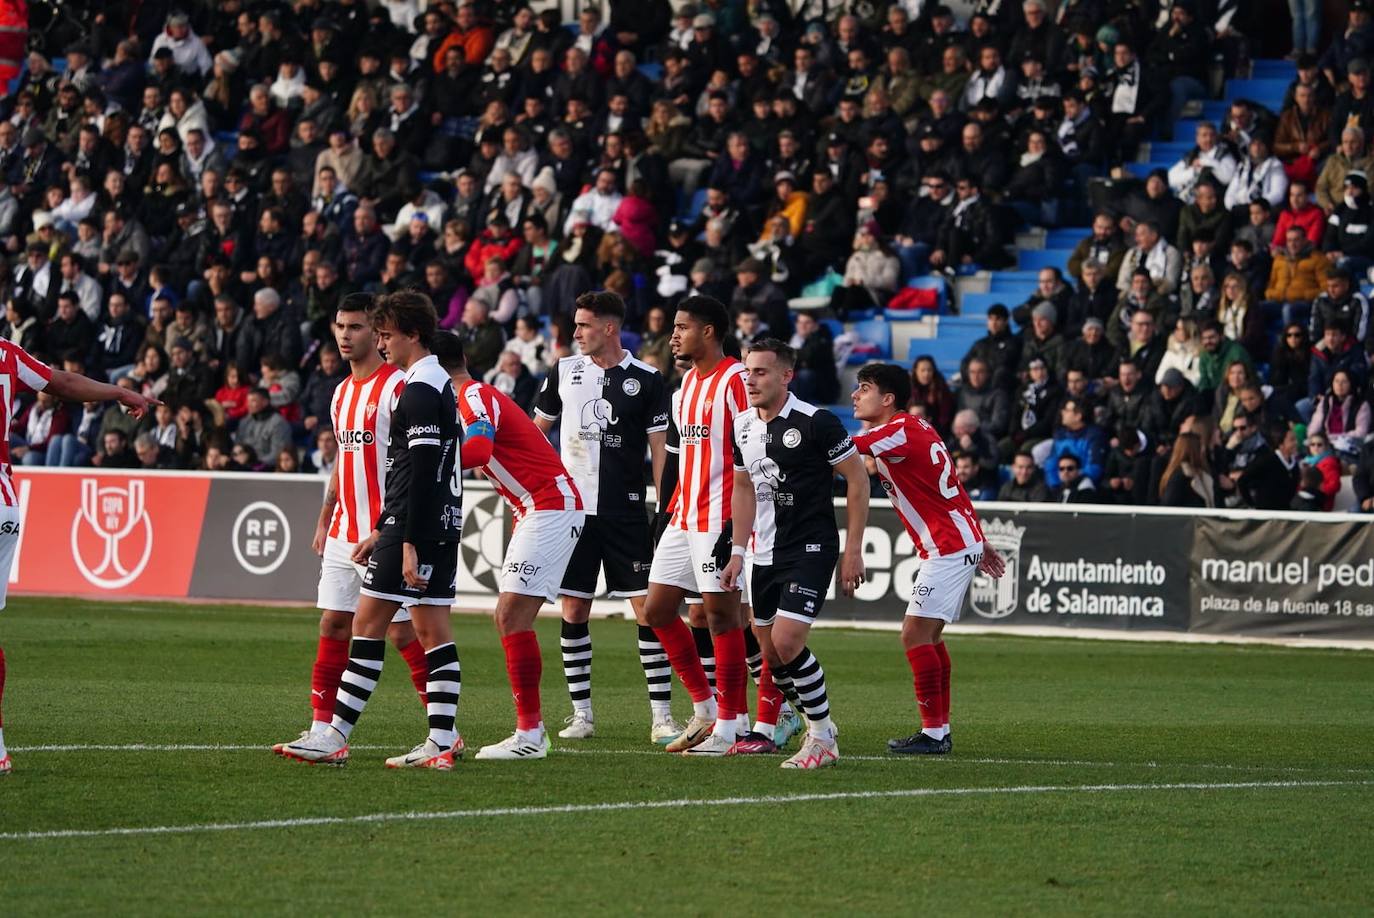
(732, 673)
(925, 666)
(419, 669)
(770, 699)
(944, 680)
(524, 666)
(681, 649)
(330, 661)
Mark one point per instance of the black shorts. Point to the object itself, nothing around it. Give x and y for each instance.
(794, 591)
(623, 546)
(438, 563)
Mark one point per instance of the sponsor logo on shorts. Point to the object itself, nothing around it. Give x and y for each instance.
(10, 528)
(523, 569)
(813, 546)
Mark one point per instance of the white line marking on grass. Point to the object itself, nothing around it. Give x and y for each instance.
(681, 803)
(569, 750)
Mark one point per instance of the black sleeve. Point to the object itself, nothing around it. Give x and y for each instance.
(548, 403)
(424, 443)
(659, 404)
(831, 438)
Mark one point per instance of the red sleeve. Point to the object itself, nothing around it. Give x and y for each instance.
(738, 398)
(28, 371)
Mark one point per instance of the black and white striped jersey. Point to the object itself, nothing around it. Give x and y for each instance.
(791, 460)
(424, 491)
(608, 415)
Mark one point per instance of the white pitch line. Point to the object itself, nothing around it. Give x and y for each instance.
(568, 750)
(681, 803)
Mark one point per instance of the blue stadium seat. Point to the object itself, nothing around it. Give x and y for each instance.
(1035, 259)
(695, 206)
(1142, 170)
(1066, 237)
(651, 69)
(1214, 111)
(875, 341)
(845, 412)
(1267, 92)
(1012, 292)
(1274, 69)
(1024, 277)
(976, 304)
(835, 326)
(1186, 128)
(1172, 150)
(59, 65)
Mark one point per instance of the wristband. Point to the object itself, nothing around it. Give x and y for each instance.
(737, 551)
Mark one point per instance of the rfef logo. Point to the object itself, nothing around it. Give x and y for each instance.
(112, 534)
(261, 538)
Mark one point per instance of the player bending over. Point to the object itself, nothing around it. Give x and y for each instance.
(918, 475)
(360, 411)
(786, 454)
(412, 554)
(614, 410)
(516, 457)
(20, 372)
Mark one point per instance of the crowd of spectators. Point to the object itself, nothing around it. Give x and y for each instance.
(187, 201)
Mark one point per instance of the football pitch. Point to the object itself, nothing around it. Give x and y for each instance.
(1087, 777)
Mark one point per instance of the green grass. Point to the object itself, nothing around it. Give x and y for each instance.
(1028, 713)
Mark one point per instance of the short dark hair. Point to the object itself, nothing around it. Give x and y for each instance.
(999, 310)
(410, 312)
(448, 347)
(259, 390)
(889, 379)
(783, 351)
(708, 311)
(273, 361)
(603, 304)
(355, 302)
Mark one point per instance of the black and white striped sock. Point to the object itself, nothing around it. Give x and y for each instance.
(577, 665)
(808, 681)
(359, 682)
(706, 650)
(443, 687)
(658, 673)
(782, 678)
(753, 655)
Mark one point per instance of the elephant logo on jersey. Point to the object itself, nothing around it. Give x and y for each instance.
(765, 471)
(998, 598)
(597, 415)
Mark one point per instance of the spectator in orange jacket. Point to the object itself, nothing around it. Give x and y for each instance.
(1299, 273)
(473, 37)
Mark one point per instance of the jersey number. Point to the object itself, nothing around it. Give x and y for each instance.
(949, 483)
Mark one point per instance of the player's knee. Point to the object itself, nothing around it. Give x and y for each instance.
(576, 610)
(402, 634)
(335, 627)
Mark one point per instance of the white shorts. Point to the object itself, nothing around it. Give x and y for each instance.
(341, 579)
(540, 548)
(942, 583)
(686, 560)
(9, 543)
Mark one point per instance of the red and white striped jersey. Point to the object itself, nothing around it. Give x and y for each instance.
(918, 475)
(361, 413)
(523, 467)
(18, 371)
(704, 411)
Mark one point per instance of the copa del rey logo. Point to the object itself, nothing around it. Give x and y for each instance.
(112, 534)
(998, 598)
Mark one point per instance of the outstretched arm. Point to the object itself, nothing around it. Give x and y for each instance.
(77, 388)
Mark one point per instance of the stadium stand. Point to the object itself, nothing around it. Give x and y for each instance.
(900, 184)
